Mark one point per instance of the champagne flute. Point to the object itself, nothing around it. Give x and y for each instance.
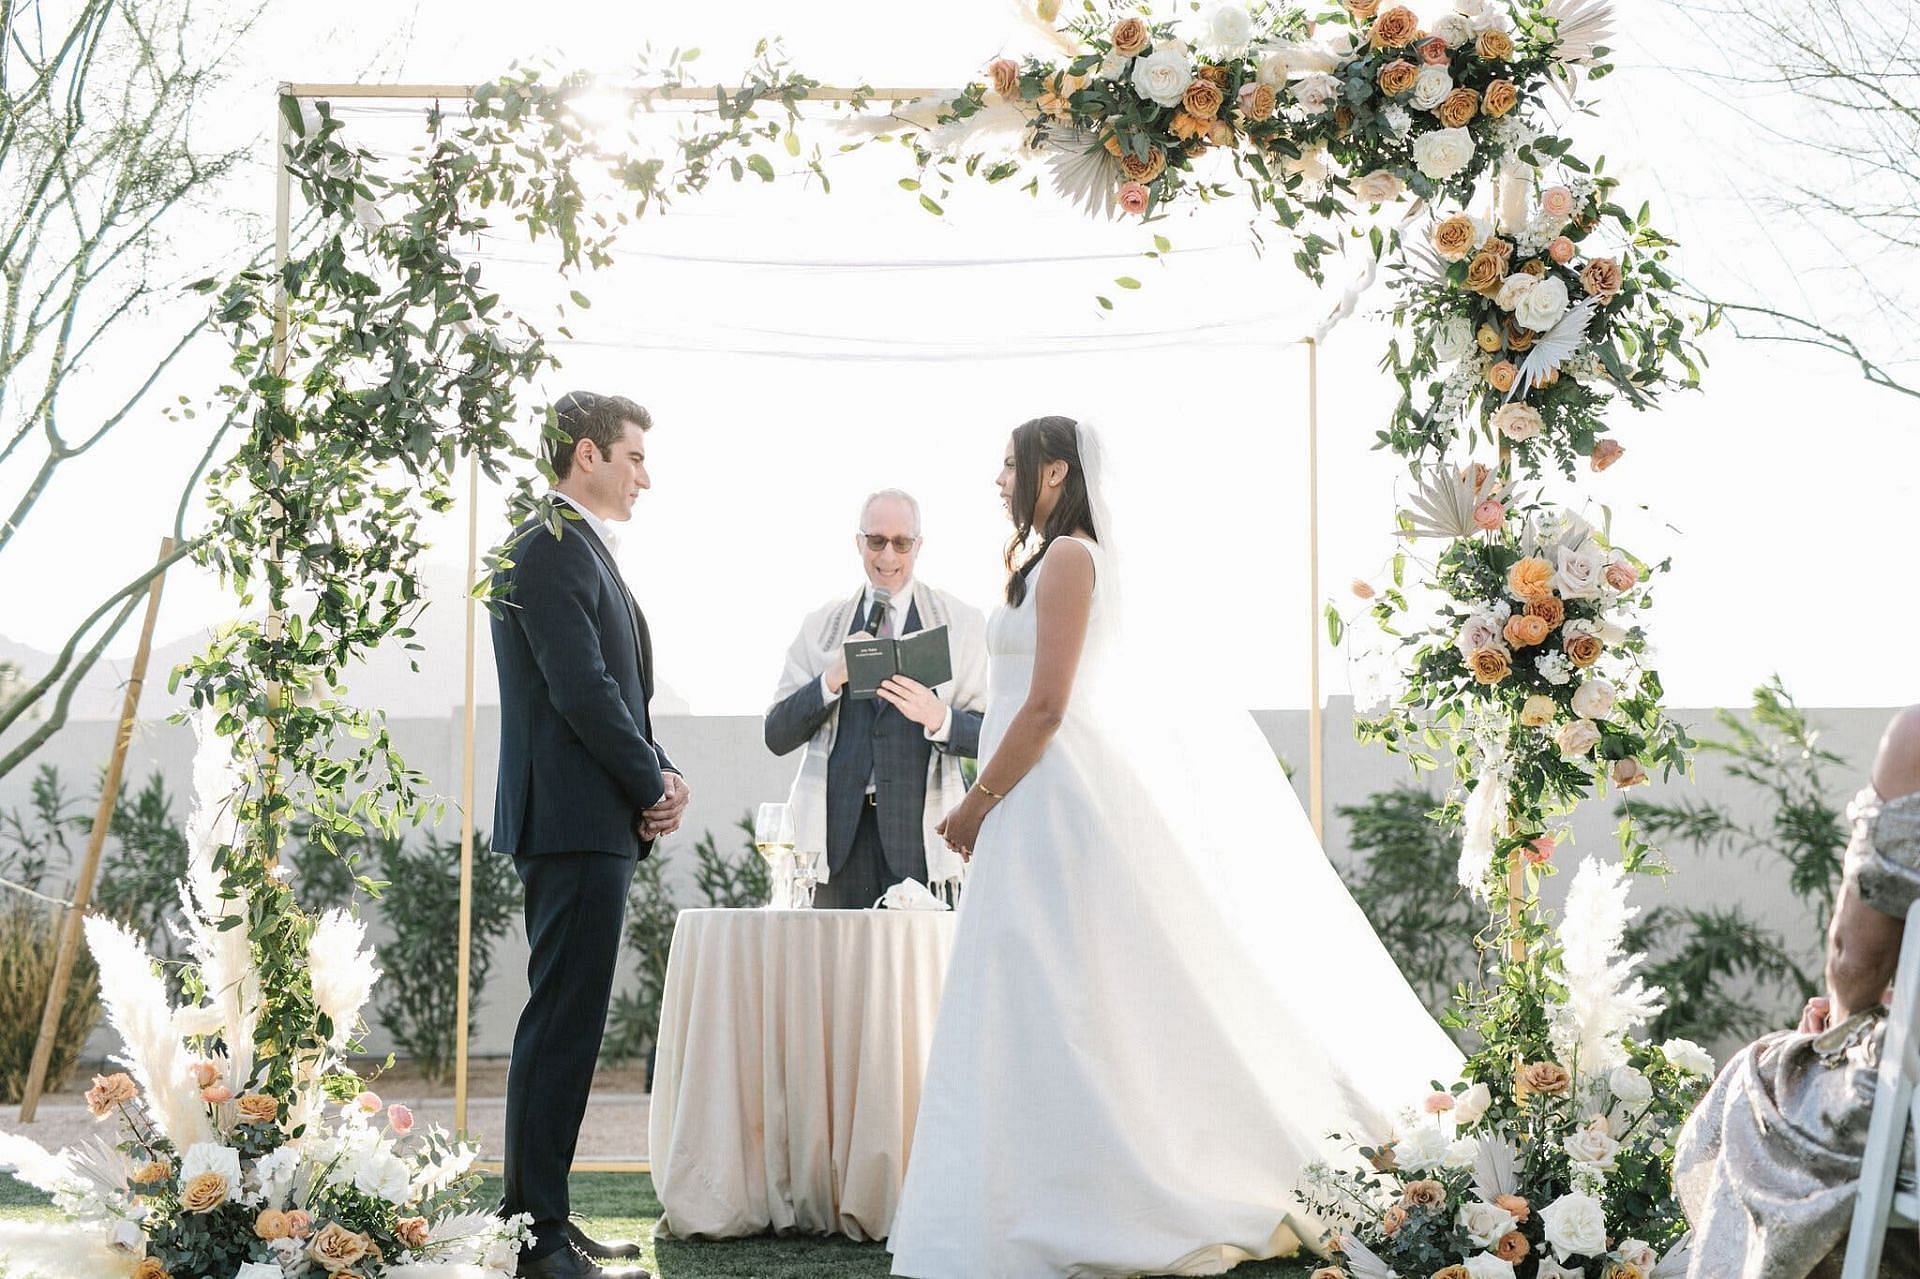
(773, 840)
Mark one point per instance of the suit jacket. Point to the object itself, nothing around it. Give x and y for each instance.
(578, 762)
(873, 742)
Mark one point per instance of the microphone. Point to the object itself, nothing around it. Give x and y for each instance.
(881, 598)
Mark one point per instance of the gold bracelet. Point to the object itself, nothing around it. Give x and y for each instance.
(984, 789)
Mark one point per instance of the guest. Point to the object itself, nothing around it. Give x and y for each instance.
(1768, 1167)
(879, 774)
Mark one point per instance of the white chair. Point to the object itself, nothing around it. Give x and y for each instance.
(1896, 1111)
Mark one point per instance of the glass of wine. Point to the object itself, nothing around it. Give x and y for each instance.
(773, 840)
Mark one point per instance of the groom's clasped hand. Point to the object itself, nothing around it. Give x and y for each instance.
(664, 817)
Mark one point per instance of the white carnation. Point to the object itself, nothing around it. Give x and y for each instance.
(1226, 30)
(1484, 1265)
(1686, 1055)
(1162, 76)
(1431, 87)
(1484, 1223)
(1471, 1105)
(1442, 153)
(1424, 1148)
(1629, 1085)
(1543, 305)
(1114, 66)
(1397, 119)
(1576, 1226)
(1461, 1154)
(1593, 699)
(259, 1270)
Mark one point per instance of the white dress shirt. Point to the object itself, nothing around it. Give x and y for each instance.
(897, 609)
(601, 528)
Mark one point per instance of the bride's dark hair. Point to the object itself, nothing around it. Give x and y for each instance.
(1036, 443)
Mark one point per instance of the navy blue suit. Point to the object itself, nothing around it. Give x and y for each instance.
(578, 765)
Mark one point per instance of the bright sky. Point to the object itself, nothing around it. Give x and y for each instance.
(799, 350)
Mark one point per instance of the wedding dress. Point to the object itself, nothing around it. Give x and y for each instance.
(1161, 1000)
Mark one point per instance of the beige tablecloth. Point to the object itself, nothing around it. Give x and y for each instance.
(788, 1075)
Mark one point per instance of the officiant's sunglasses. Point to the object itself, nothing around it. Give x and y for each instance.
(901, 545)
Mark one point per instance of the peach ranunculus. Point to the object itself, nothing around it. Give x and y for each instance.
(1203, 98)
(109, 1091)
(1494, 46)
(1601, 278)
(1538, 853)
(271, 1224)
(1363, 10)
(1139, 169)
(1556, 202)
(1392, 1219)
(1622, 576)
(1394, 29)
(1516, 1206)
(1423, 1194)
(257, 1108)
(1512, 1247)
(1135, 198)
(1455, 237)
(1189, 127)
(151, 1173)
(204, 1073)
(1397, 77)
(1530, 579)
(1501, 375)
(1458, 107)
(400, 1119)
(1560, 249)
(1433, 52)
(1548, 609)
(1583, 649)
(1257, 101)
(1487, 272)
(1500, 98)
(1005, 73)
(216, 1095)
(1437, 1103)
(1548, 1078)
(204, 1193)
(1605, 454)
(1362, 589)
(336, 1247)
(1629, 772)
(411, 1232)
(1489, 515)
(150, 1268)
(1490, 665)
(1539, 710)
(1524, 631)
(299, 1223)
(1488, 339)
(1131, 36)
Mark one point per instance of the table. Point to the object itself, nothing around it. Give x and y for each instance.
(787, 1079)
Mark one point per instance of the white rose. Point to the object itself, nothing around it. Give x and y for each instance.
(1442, 153)
(1639, 1254)
(1482, 630)
(1576, 1226)
(1226, 30)
(1425, 1147)
(1461, 1154)
(1163, 75)
(1543, 305)
(1592, 1146)
(1431, 88)
(1455, 30)
(1453, 340)
(1581, 573)
(1484, 1223)
(211, 1156)
(1513, 288)
(1379, 187)
(1683, 1053)
(1484, 1265)
(1114, 66)
(1554, 668)
(127, 1236)
(1609, 633)
(1471, 1105)
(1274, 70)
(1629, 1085)
(1471, 8)
(1593, 699)
(1492, 18)
(1316, 91)
(384, 1175)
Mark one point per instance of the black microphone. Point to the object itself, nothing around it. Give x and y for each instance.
(881, 598)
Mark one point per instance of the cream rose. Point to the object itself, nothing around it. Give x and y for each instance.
(1472, 1105)
(1454, 29)
(1629, 1085)
(1442, 153)
(1227, 28)
(1316, 91)
(1686, 1055)
(1576, 1226)
(1486, 1265)
(1542, 306)
(1431, 87)
(1517, 421)
(1378, 187)
(1162, 76)
(1576, 738)
(1453, 339)
(1592, 1145)
(1480, 630)
(1538, 711)
(1580, 571)
(1513, 288)
(1484, 1223)
(1594, 699)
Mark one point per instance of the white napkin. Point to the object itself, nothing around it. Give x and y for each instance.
(909, 894)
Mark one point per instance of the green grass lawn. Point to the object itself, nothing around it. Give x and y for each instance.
(621, 1206)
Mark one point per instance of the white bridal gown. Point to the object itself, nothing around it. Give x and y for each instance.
(1161, 999)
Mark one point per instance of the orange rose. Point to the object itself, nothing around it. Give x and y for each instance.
(1487, 272)
(204, 1193)
(1501, 97)
(271, 1224)
(336, 1247)
(1531, 579)
(1513, 1247)
(1397, 77)
(1583, 650)
(1548, 609)
(1391, 1221)
(1489, 665)
(1217, 76)
(1601, 278)
(1535, 268)
(1257, 102)
(1524, 631)
(1188, 127)
(109, 1091)
(1006, 77)
(152, 1173)
(1518, 337)
(150, 1268)
(1519, 1208)
(1203, 98)
(1458, 107)
(1363, 10)
(1139, 170)
(411, 1232)
(1494, 46)
(1132, 37)
(299, 1224)
(1423, 1194)
(1500, 375)
(1454, 237)
(1395, 29)
(1624, 1270)
(257, 1108)
(1548, 1078)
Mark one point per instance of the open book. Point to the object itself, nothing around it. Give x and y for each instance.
(922, 656)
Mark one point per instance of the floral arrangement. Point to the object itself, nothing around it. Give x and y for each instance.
(1558, 1167)
(215, 1169)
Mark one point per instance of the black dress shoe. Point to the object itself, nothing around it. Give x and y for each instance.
(565, 1263)
(584, 1243)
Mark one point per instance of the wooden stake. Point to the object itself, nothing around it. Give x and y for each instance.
(462, 986)
(90, 864)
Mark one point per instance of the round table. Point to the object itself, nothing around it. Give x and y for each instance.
(787, 1079)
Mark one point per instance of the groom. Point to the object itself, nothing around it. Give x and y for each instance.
(584, 791)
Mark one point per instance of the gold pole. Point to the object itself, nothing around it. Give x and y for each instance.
(665, 93)
(463, 987)
(282, 324)
(1316, 717)
(90, 865)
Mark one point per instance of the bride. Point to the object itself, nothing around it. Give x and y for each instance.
(1161, 999)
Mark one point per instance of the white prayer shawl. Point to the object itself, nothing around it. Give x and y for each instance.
(815, 648)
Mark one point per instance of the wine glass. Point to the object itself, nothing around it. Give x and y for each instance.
(773, 840)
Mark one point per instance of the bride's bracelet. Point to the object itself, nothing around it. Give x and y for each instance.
(988, 791)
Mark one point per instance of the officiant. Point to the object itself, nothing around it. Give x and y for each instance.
(879, 774)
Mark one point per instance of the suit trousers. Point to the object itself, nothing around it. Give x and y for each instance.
(858, 883)
(576, 908)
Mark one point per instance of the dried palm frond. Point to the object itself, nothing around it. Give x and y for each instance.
(1493, 1168)
(1554, 349)
(1580, 26)
(1444, 501)
(1084, 171)
(1362, 1261)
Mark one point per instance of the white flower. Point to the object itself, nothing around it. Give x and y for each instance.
(1483, 1222)
(1275, 70)
(1554, 668)
(1377, 188)
(502, 1254)
(1492, 18)
(1593, 699)
(258, 1270)
(1425, 1147)
(1629, 1085)
(1442, 153)
(1114, 66)
(127, 1236)
(1316, 91)
(1455, 30)
(1688, 1056)
(290, 1253)
(343, 974)
(1485, 1265)
(272, 1174)
(1482, 630)
(1453, 340)
(1610, 634)
(1471, 1105)
(1226, 30)
(1637, 1253)
(1592, 1145)
(1581, 571)
(1163, 75)
(211, 1156)
(1543, 305)
(1604, 999)
(1431, 87)
(1461, 1154)
(1310, 164)
(384, 1175)
(1397, 119)
(1471, 9)
(1513, 288)
(1576, 1226)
